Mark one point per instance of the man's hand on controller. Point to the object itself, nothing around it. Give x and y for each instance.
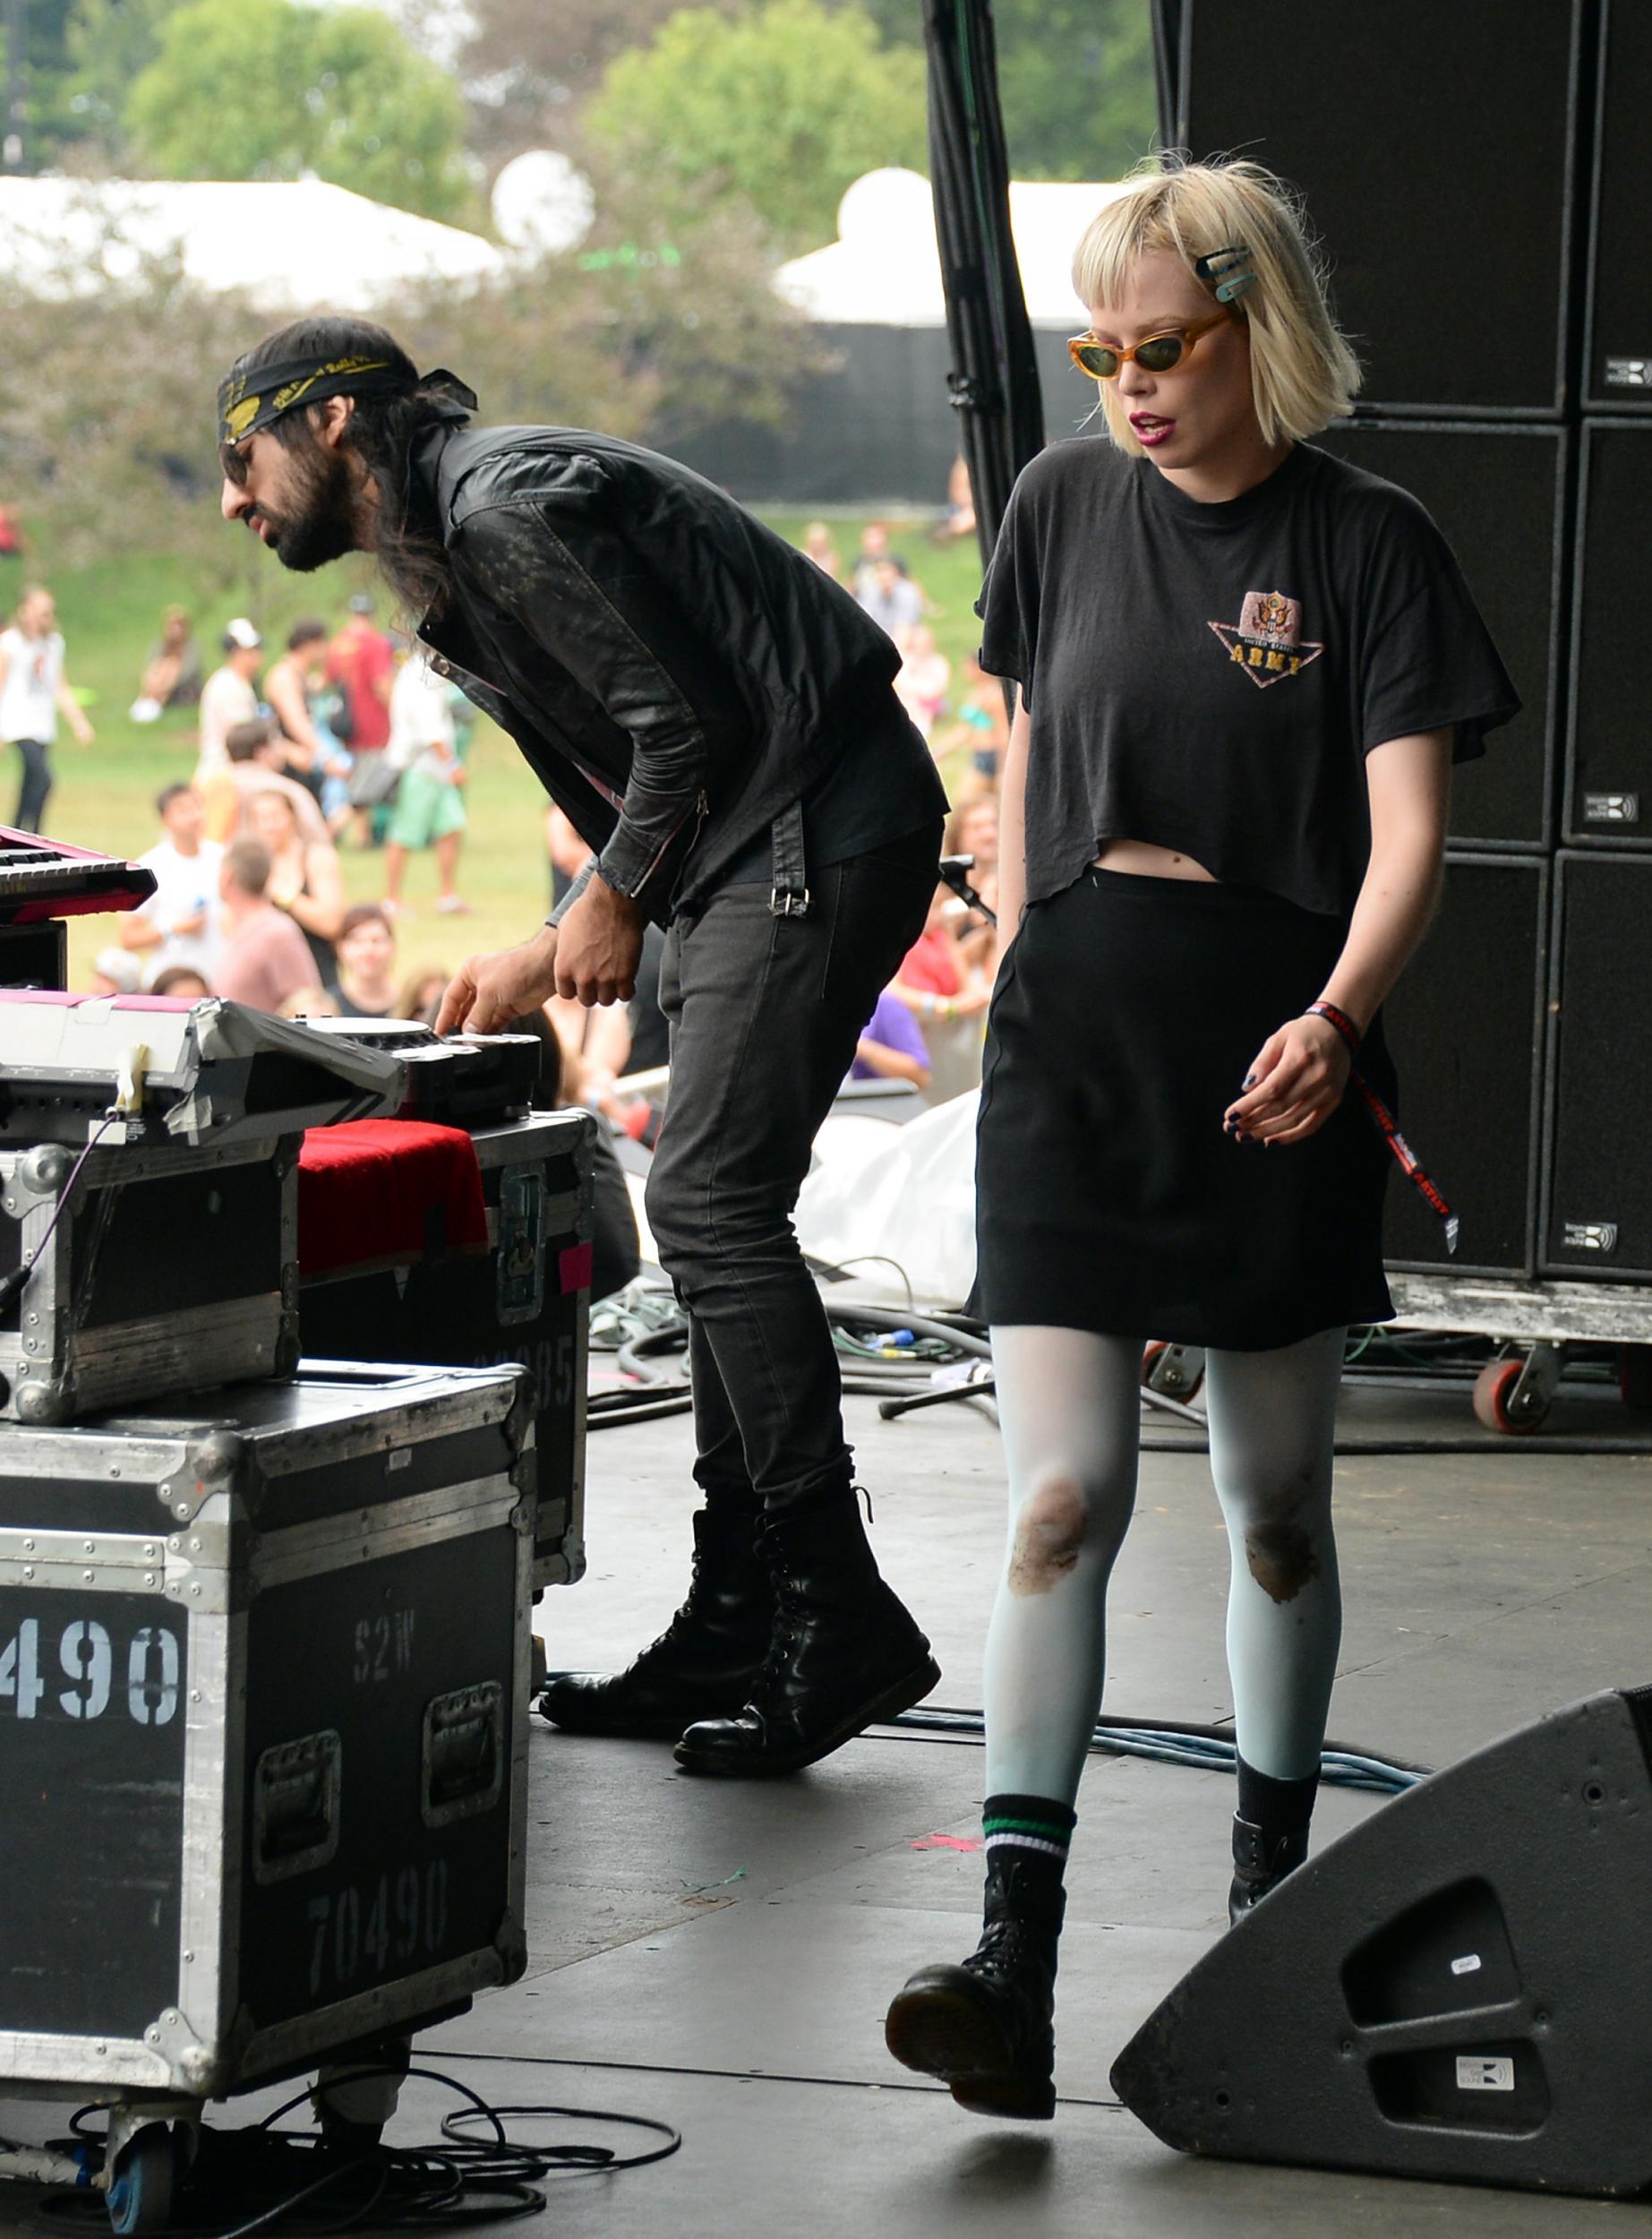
(599, 944)
(487, 992)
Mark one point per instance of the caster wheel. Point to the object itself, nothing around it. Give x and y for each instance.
(1635, 1377)
(1496, 1406)
(144, 2180)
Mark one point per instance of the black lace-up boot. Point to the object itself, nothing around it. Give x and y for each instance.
(704, 1664)
(1270, 1833)
(1261, 1861)
(845, 1651)
(987, 2028)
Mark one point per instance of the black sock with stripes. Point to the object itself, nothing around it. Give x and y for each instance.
(1033, 1834)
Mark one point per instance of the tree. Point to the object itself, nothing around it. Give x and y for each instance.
(265, 88)
(528, 67)
(786, 107)
(110, 43)
(1076, 80)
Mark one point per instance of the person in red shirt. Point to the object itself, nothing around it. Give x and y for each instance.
(361, 661)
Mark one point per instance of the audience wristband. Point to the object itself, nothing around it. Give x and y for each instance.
(1341, 1020)
(1404, 1156)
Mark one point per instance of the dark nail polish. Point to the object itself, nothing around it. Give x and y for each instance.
(1250, 1080)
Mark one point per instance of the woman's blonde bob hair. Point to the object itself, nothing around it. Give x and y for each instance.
(1303, 374)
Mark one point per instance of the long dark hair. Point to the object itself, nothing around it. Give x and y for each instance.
(383, 432)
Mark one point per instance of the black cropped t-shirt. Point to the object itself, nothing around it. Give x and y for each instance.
(1210, 678)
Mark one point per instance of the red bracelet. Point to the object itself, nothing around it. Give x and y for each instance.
(1341, 1020)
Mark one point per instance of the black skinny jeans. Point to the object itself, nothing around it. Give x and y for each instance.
(36, 783)
(765, 1014)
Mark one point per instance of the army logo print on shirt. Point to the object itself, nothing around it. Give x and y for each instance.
(1267, 642)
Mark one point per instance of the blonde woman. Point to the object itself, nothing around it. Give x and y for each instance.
(1245, 671)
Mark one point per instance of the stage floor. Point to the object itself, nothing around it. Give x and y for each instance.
(719, 1955)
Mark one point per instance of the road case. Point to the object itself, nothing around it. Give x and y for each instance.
(151, 1270)
(263, 1671)
(528, 1300)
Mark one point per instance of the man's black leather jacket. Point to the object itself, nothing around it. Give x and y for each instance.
(675, 673)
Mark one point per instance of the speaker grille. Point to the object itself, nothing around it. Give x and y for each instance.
(1465, 1027)
(1620, 356)
(1496, 493)
(1609, 789)
(1434, 148)
(1600, 1215)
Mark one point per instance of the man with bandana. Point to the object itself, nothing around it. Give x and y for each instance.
(718, 720)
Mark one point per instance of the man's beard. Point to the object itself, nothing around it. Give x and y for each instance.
(320, 525)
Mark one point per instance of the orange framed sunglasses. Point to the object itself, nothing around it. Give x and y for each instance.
(1154, 354)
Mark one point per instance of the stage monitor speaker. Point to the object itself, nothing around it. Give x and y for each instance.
(1597, 1204)
(1608, 793)
(1465, 1027)
(1455, 1990)
(1434, 147)
(1618, 349)
(1498, 493)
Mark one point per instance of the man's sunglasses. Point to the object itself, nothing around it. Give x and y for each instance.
(1157, 354)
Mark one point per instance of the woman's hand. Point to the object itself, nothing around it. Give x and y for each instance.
(1299, 1077)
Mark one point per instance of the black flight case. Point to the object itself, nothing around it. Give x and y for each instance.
(263, 1682)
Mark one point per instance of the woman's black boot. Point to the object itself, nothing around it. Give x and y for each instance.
(704, 1662)
(846, 1652)
(987, 2028)
(1261, 1861)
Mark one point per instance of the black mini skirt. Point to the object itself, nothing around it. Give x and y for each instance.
(1109, 1198)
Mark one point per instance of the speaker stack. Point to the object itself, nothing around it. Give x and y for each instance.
(1476, 174)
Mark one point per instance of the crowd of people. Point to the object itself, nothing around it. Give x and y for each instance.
(343, 738)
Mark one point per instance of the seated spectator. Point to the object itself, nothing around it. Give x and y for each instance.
(428, 811)
(115, 972)
(960, 516)
(172, 673)
(982, 723)
(266, 961)
(314, 756)
(822, 549)
(874, 549)
(421, 994)
(307, 879)
(227, 696)
(893, 600)
(178, 925)
(892, 1047)
(253, 751)
(947, 994)
(363, 985)
(925, 673)
(179, 980)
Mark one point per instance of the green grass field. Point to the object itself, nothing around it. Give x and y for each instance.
(109, 614)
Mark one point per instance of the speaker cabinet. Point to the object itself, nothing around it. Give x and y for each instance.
(1608, 794)
(1597, 1204)
(1435, 147)
(1457, 1989)
(1498, 493)
(1618, 348)
(1465, 1027)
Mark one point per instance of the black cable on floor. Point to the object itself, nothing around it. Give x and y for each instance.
(309, 2185)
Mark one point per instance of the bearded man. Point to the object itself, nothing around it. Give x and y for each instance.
(719, 721)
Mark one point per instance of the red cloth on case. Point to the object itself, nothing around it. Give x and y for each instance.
(368, 1190)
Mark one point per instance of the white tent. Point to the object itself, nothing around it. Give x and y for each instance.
(884, 268)
(300, 243)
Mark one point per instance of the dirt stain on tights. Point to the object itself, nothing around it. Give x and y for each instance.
(1282, 1559)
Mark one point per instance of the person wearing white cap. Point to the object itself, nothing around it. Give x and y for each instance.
(227, 696)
